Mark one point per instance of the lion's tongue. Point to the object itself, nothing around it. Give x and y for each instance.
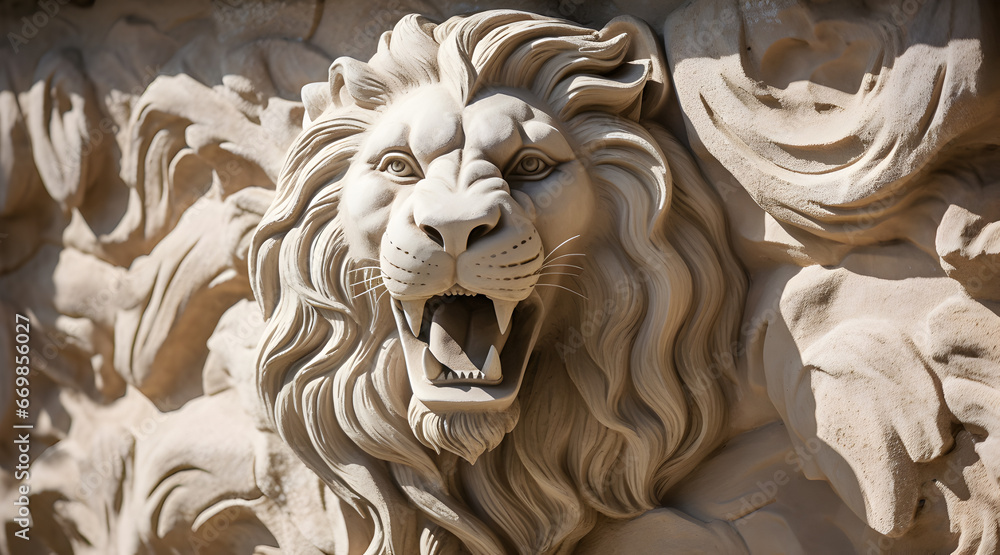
(462, 332)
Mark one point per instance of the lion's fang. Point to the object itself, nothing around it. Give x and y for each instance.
(414, 312)
(504, 310)
(432, 368)
(491, 369)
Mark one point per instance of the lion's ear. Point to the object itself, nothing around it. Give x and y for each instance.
(354, 82)
(350, 83)
(644, 50)
(316, 98)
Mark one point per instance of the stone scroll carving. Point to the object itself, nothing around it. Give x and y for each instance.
(717, 277)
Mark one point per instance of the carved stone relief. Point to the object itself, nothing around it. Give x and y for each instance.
(574, 277)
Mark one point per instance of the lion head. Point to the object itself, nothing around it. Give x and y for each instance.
(493, 289)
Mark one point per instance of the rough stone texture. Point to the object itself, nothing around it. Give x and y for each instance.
(734, 264)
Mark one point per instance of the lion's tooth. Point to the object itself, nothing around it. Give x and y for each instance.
(504, 310)
(414, 312)
(491, 369)
(432, 368)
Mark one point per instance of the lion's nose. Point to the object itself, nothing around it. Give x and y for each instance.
(455, 229)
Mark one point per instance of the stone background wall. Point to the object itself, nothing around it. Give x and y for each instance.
(854, 146)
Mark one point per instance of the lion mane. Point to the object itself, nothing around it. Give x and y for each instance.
(617, 407)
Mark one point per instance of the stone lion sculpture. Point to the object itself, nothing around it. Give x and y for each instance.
(496, 293)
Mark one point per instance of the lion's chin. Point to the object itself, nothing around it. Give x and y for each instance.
(466, 434)
(460, 360)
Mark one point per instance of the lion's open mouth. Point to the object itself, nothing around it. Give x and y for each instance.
(467, 349)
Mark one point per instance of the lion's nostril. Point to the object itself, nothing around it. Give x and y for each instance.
(434, 234)
(479, 232)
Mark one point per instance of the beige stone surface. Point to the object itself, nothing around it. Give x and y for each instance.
(543, 277)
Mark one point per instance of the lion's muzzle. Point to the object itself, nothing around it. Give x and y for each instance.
(459, 358)
(461, 267)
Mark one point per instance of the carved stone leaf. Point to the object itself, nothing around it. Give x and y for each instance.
(175, 296)
(62, 120)
(965, 344)
(17, 171)
(232, 351)
(185, 139)
(78, 485)
(878, 414)
(23, 200)
(970, 493)
(905, 408)
(70, 316)
(165, 174)
(201, 479)
(969, 246)
(208, 481)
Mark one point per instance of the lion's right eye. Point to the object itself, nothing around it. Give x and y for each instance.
(400, 166)
(530, 165)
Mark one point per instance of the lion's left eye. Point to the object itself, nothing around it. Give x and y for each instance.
(399, 165)
(530, 166)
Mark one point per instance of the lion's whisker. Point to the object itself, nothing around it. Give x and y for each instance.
(362, 268)
(377, 306)
(369, 290)
(557, 265)
(562, 256)
(379, 276)
(558, 247)
(561, 287)
(557, 274)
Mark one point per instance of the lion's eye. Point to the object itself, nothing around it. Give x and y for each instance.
(399, 165)
(530, 166)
